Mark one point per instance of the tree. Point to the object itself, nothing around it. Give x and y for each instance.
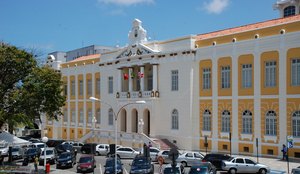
(27, 90)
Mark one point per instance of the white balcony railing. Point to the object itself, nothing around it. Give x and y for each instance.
(138, 94)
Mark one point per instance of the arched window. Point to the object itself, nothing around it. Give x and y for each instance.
(175, 121)
(296, 124)
(110, 117)
(225, 121)
(207, 120)
(247, 122)
(271, 123)
(289, 11)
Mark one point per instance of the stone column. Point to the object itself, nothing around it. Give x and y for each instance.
(154, 78)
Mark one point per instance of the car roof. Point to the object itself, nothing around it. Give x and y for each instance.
(202, 164)
(86, 155)
(177, 165)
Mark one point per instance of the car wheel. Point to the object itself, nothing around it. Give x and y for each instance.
(97, 153)
(262, 171)
(232, 171)
(184, 164)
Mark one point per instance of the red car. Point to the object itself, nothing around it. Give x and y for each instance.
(86, 163)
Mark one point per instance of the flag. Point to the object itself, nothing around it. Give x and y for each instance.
(125, 76)
(140, 75)
(132, 75)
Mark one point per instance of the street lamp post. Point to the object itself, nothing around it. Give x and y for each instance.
(116, 121)
(45, 139)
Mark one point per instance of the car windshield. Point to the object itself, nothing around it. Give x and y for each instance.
(199, 170)
(48, 152)
(15, 149)
(31, 150)
(40, 145)
(65, 155)
(85, 159)
(111, 162)
(140, 162)
(169, 170)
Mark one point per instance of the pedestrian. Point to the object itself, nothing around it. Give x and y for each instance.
(36, 162)
(150, 144)
(284, 151)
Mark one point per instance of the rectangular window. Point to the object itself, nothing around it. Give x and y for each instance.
(110, 85)
(81, 116)
(73, 87)
(73, 114)
(150, 82)
(89, 87)
(90, 116)
(174, 80)
(80, 87)
(206, 78)
(98, 116)
(225, 74)
(295, 72)
(270, 74)
(65, 115)
(247, 75)
(65, 89)
(98, 86)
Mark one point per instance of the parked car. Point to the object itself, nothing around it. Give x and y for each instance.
(126, 152)
(4, 151)
(102, 149)
(164, 154)
(66, 159)
(216, 159)
(178, 170)
(110, 166)
(153, 153)
(86, 163)
(17, 153)
(77, 146)
(244, 165)
(54, 143)
(203, 168)
(51, 156)
(190, 158)
(38, 145)
(296, 170)
(65, 148)
(31, 152)
(88, 148)
(142, 164)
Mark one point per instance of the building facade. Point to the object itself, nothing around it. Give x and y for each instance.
(237, 89)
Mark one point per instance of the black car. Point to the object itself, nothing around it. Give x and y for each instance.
(89, 148)
(142, 164)
(203, 168)
(30, 153)
(216, 159)
(66, 159)
(110, 166)
(65, 148)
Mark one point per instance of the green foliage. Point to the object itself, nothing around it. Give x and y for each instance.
(27, 91)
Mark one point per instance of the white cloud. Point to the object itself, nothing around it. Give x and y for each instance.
(126, 2)
(216, 6)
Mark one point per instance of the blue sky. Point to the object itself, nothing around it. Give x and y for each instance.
(64, 25)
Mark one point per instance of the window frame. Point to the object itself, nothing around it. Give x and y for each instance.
(271, 123)
(295, 72)
(296, 123)
(206, 78)
(175, 119)
(247, 118)
(225, 77)
(110, 84)
(110, 117)
(206, 120)
(174, 80)
(270, 73)
(225, 121)
(246, 75)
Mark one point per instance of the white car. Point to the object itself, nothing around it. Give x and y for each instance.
(190, 158)
(153, 153)
(102, 149)
(38, 145)
(164, 154)
(127, 152)
(244, 165)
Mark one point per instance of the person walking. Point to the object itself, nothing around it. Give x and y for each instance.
(284, 151)
(36, 163)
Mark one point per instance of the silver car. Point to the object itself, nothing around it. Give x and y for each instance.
(244, 165)
(127, 152)
(190, 158)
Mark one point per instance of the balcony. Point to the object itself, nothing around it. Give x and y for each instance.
(138, 94)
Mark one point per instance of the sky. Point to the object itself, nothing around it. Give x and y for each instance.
(64, 25)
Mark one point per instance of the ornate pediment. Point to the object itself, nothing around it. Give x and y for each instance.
(135, 50)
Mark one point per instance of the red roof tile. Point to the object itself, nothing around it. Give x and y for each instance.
(249, 27)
